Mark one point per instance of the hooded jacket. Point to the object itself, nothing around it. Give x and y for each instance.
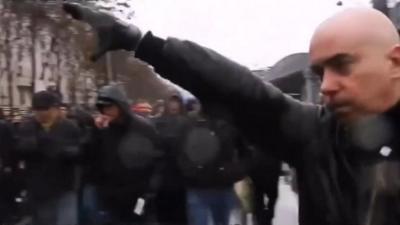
(346, 175)
(125, 155)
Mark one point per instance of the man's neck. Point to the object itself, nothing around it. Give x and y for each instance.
(48, 125)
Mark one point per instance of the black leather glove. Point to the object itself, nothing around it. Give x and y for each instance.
(112, 33)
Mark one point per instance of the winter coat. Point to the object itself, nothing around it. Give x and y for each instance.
(6, 145)
(265, 169)
(171, 129)
(9, 179)
(210, 154)
(346, 175)
(125, 156)
(49, 156)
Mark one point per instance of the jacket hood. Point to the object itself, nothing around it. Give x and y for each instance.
(114, 94)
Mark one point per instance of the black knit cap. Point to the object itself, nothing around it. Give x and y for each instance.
(44, 100)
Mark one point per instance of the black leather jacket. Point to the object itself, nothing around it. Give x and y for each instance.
(343, 176)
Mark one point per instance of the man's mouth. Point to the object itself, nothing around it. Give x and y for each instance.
(342, 109)
(339, 108)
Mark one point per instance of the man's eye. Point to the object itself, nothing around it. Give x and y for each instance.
(318, 70)
(341, 67)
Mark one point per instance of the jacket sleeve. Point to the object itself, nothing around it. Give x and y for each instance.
(26, 140)
(7, 143)
(266, 117)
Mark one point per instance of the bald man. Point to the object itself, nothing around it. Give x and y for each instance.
(346, 152)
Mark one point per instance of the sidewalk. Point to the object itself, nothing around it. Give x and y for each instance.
(286, 212)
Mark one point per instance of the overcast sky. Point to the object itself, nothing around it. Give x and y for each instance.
(255, 33)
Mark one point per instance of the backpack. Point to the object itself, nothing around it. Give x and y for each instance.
(201, 146)
(204, 154)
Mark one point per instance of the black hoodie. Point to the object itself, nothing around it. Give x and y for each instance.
(125, 155)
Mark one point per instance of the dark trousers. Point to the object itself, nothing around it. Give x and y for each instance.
(170, 206)
(264, 213)
(62, 210)
(215, 204)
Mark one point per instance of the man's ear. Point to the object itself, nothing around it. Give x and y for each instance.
(394, 56)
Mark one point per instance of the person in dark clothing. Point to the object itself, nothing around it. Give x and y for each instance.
(193, 108)
(171, 126)
(9, 185)
(125, 157)
(211, 163)
(50, 146)
(83, 120)
(345, 152)
(158, 108)
(64, 108)
(265, 174)
(142, 108)
(86, 198)
(7, 159)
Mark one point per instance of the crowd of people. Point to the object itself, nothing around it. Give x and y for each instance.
(179, 164)
(168, 163)
(345, 151)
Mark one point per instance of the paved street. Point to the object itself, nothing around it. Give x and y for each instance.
(287, 206)
(286, 212)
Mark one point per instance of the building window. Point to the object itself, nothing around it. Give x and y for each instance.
(24, 93)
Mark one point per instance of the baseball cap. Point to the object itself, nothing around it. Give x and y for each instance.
(44, 100)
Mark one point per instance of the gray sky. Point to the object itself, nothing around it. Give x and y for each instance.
(255, 33)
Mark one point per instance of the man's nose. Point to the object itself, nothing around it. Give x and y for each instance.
(330, 84)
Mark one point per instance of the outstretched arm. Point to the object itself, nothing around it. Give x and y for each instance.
(266, 116)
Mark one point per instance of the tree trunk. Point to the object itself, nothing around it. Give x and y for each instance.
(33, 53)
(8, 58)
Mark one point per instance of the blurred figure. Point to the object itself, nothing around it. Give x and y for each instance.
(265, 174)
(124, 159)
(171, 127)
(193, 108)
(50, 146)
(211, 164)
(86, 198)
(174, 106)
(63, 110)
(158, 109)
(142, 108)
(9, 187)
(16, 119)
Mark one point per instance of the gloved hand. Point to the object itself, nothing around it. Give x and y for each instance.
(112, 33)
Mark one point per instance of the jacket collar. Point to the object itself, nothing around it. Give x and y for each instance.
(393, 114)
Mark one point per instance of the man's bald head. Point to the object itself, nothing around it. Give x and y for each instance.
(365, 25)
(357, 54)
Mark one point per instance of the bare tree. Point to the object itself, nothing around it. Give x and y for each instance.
(38, 41)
